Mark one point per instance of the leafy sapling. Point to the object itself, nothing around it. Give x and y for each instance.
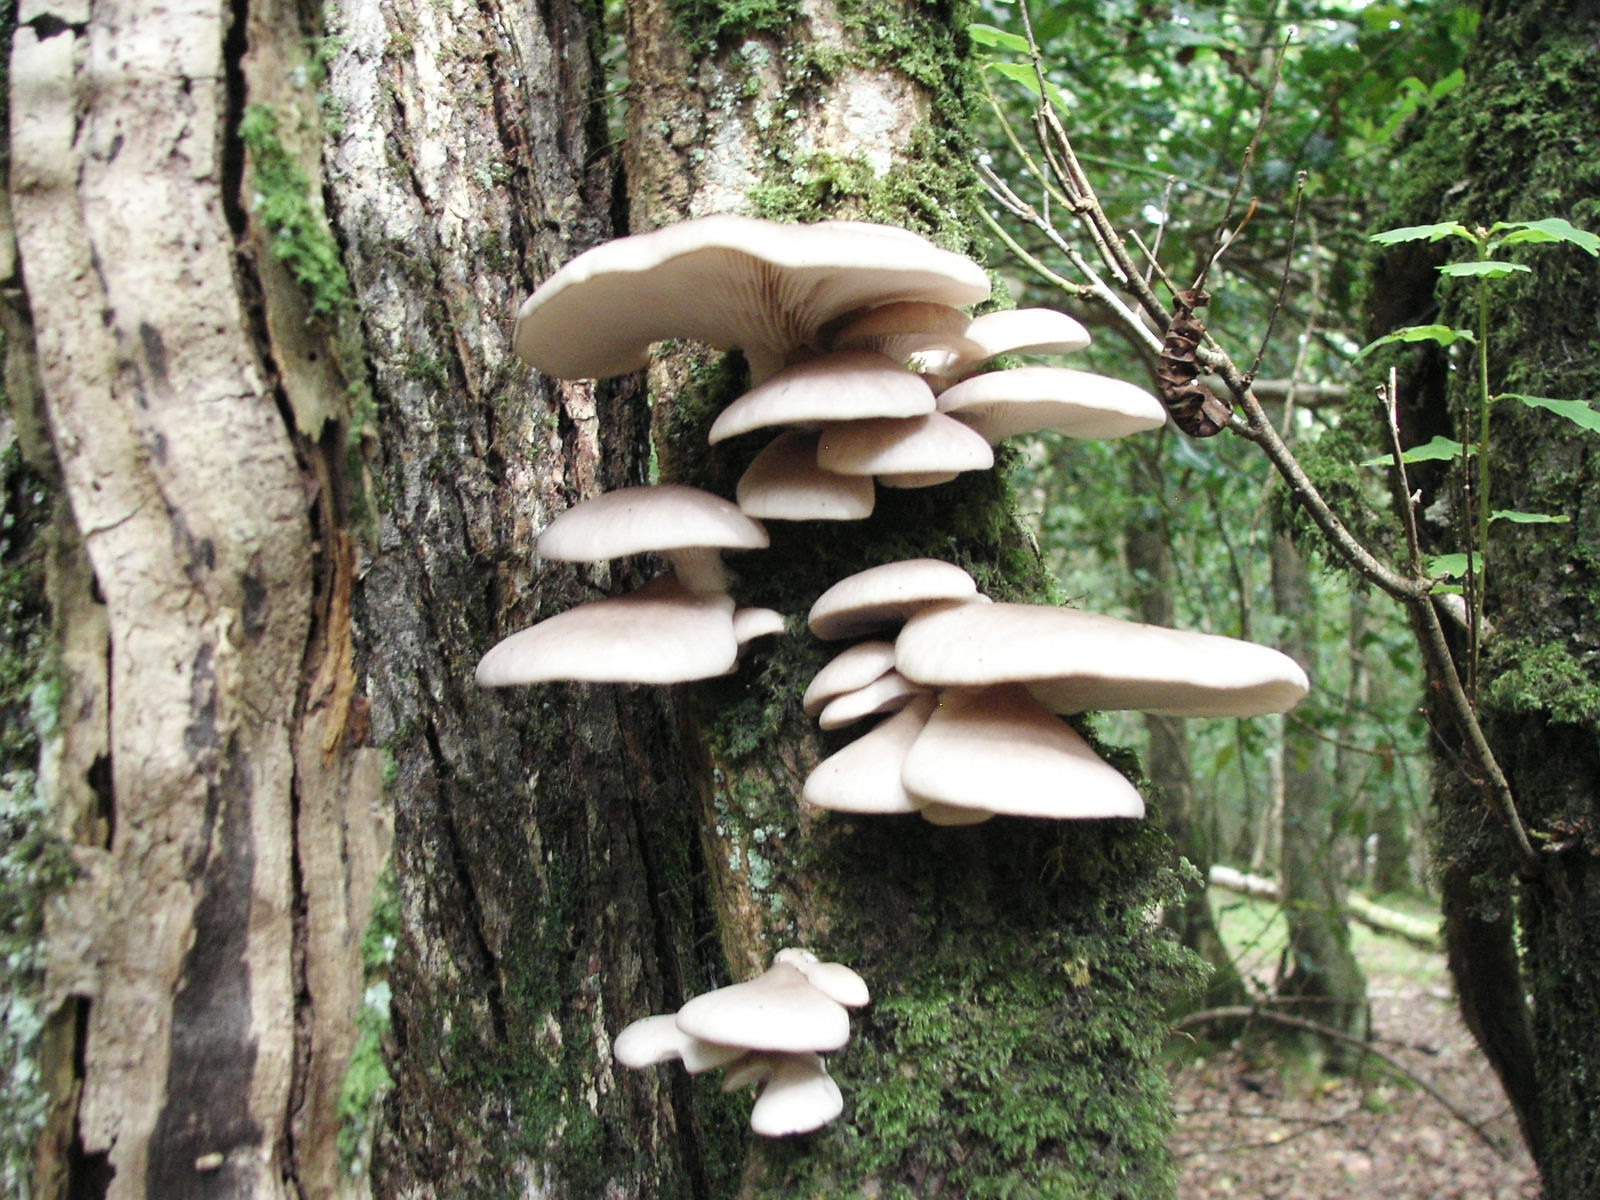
(1471, 564)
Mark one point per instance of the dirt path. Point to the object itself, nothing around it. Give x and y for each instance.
(1244, 1131)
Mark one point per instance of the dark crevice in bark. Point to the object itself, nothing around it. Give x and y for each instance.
(460, 863)
(305, 1014)
(213, 1047)
(666, 936)
(234, 45)
(88, 1175)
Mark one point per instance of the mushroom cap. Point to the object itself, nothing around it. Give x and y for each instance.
(633, 520)
(950, 815)
(778, 1010)
(890, 692)
(784, 483)
(1075, 661)
(832, 979)
(662, 633)
(751, 623)
(886, 595)
(844, 386)
(653, 1040)
(915, 333)
(730, 282)
(1003, 404)
(1022, 331)
(864, 776)
(797, 1097)
(846, 671)
(903, 446)
(999, 750)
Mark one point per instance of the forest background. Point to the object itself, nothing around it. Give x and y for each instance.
(238, 706)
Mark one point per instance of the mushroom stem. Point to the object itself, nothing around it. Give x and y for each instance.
(700, 569)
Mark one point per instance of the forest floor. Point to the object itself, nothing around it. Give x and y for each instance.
(1249, 1126)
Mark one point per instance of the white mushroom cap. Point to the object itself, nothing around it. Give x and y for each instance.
(797, 1097)
(686, 524)
(999, 750)
(886, 595)
(784, 483)
(779, 1010)
(1075, 661)
(1022, 331)
(929, 445)
(843, 386)
(889, 692)
(949, 814)
(864, 776)
(832, 979)
(662, 633)
(1003, 404)
(653, 1040)
(915, 333)
(846, 671)
(751, 623)
(730, 282)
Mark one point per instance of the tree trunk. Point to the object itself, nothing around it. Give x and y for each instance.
(1147, 550)
(301, 477)
(1321, 974)
(1510, 148)
(957, 1082)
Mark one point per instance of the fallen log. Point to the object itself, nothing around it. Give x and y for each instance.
(1385, 920)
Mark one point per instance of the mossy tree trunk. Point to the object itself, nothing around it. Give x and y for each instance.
(269, 253)
(1018, 985)
(1514, 144)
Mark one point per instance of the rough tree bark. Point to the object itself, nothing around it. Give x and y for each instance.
(268, 256)
(1147, 550)
(1005, 1037)
(1320, 975)
(1525, 951)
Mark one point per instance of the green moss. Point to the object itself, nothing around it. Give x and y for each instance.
(301, 239)
(705, 24)
(1534, 678)
(34, 862)
(367, 1080)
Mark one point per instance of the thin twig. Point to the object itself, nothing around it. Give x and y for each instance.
(1283, 287)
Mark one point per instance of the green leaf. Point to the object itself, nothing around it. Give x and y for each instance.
(1024, 74)
(1452, 566)
(1527, 518)
(1576, 411)
(988, 35)
(1439, 449)
(1443, 334)
(1422, 233)
(1552, 229)
(1448, 84)
(1486, 268)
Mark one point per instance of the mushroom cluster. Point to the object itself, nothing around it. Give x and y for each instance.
(770, 1031)
(862, 359)
(674, 629)
(857, 352)
(977, 692)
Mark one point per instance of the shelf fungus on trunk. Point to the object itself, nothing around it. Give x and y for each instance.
(672, 630)
(770, 1031)
(978, 690)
